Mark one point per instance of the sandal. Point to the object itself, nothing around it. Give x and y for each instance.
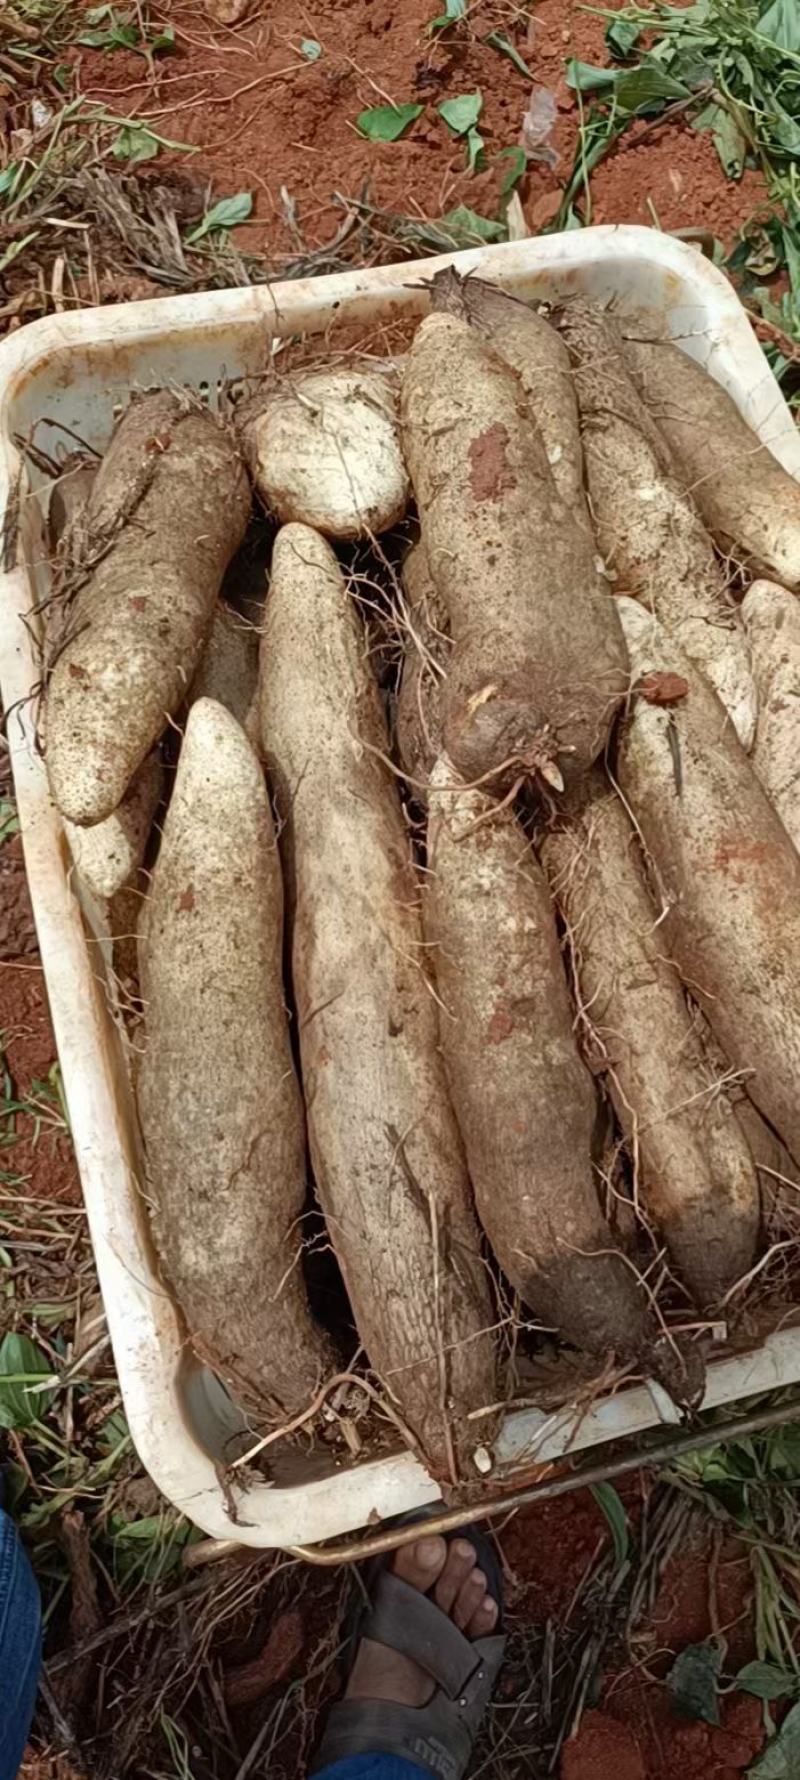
(440, 1735)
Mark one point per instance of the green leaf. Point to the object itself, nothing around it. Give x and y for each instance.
(584, 77)
(766, 1681)
(134, 143)
(113, 1431)
(729, 142)
(8, 176)
(781, 1758)
(224, 215)
(499, 41)
(165, 40)
(384, 123)
(15, 247)
(467, 229)
(692, 1682)
(22, 1366)
(9, 820)
(453, 11)
(476, 159)
(638, 88)
(121, 32)
(781, 23)
(607, 1499)
(461, 114)
(785, 127)
(517, 165)
(622, 37)
(310, 48)
(115, 38)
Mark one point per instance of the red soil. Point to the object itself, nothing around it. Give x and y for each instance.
(265, 119)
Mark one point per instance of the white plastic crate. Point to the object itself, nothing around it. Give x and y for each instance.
(75, 369)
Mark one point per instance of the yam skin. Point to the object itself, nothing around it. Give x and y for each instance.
(772, 623)
(649, 533)
(427, 647)
(387, 1155)
(525, 1102)
(725, 872)
(778, 1173)
(168, 508)
(535, 351)
(66, 509)
(538, 664)
(324, 449)
(749, 502)
(219, 1105)
(228, 670)
(695, 1177)
(107, 854)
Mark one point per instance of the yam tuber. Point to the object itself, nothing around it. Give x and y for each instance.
(772, 623)
(725, 872)
(693, 1172)
(325, 450)
(168, 508)
(524, 1101)
(219, 1104)
(749, 502)
(538, 664)
(648, 531)
(387, 1156)
(536, 352)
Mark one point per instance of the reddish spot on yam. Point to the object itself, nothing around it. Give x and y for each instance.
(490, 474)
(76, 672)
(159, 442)
(186, 901)
(138, 602)
(501, 1025)
(662, 688)
(735, 853)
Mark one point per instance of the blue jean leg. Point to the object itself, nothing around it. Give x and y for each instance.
(374, 1767)
(20, 1647)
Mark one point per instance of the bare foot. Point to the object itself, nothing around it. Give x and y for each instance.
(450, 1575)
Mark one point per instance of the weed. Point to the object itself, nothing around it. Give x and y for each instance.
(751, 1488)
(733, 68)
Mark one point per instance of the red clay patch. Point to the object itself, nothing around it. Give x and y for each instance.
(500, 1027)
(735, 850)
(490, 473)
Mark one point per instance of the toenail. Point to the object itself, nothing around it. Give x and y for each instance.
(478, 1579)
(428, 1553)
(462, 1549)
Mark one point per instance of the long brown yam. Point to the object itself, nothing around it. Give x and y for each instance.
(167, 509)
(648, 531)
(538, 664)
(749, 502)
(694, 1174)
(387, 1156)
(426, 652)
(725, 872)
(535, 351)
(772, 622)
(778, 1173)
(524, 1100)
(219, 1104)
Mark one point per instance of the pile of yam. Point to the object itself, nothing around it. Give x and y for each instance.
(466, 998)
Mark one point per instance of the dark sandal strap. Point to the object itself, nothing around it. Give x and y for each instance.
(411, 1623)
(438, 1736)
